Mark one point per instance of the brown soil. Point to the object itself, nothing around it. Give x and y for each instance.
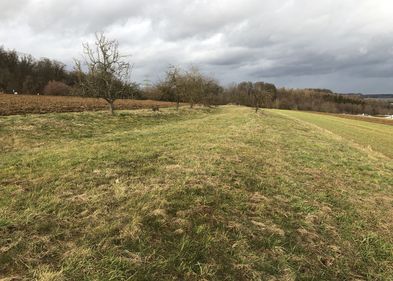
(24, 104)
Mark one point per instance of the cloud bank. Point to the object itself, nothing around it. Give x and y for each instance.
(344, 45)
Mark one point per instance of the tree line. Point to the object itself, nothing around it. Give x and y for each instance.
(104, 73)
(24, 74)
(327, 101)
(189, 86)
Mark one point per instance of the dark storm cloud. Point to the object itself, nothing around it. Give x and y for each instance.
(346, 45)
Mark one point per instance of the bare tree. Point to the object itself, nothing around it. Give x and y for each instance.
(259, 94)
(176, 83)
(107, 73)
(212, 90)
(194, 85)
(189, 86)
(247, 93)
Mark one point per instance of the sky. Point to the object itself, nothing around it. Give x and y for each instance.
(343, 45)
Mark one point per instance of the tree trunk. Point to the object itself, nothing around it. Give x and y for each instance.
(177, 105)
(191, 105)
(256, 109)
(111, 107)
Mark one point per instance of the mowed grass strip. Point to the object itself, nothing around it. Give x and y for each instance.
(203, 194)
(372, 119)
(378, 137)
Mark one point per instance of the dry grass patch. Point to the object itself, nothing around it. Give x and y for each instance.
(204, 194)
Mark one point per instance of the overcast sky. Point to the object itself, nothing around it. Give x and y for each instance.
(344, 45)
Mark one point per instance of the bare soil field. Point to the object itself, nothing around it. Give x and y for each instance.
(23, 104)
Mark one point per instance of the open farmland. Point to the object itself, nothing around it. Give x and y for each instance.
(24, 104)
(370, 135)
(372, 119)
(203, 194)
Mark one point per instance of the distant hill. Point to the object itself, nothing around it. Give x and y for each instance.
(371, 96)
(379, 96)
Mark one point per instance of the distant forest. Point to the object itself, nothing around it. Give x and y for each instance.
(24, 74)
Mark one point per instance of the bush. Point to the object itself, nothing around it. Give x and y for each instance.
(155, 93)
(57, 88)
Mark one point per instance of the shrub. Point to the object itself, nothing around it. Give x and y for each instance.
(57, 88)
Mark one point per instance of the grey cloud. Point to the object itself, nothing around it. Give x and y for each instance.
(338, 44)
(9, 9)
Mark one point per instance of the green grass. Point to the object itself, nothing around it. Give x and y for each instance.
(378, 137)
(218, 194)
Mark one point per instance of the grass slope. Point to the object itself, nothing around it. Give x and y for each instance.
(223, 194)
(378, 137)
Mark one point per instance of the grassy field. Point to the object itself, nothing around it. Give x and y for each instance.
(372, 119)
(203, 194)
(367, 118)
(372, 136)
